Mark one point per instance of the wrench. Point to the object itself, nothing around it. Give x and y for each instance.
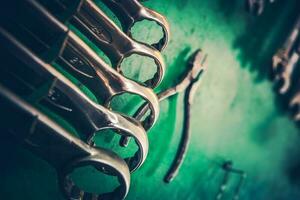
(284, 79)
(59, 148)
(64, 98)
(78, 59)
(131, 11)
(103, 32)
(197, 64)
(188, 84)
(285, 60)
(295, 100)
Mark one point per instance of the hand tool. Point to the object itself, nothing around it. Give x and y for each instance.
(132, 11)
(42, 136)
(107, 36)
(62, 46)
(285, 59)
(65, 99)
(189, 83)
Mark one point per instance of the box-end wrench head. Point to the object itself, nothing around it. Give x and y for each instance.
(59, 148)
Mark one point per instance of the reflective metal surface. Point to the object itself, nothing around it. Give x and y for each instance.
(48, 140)
(49, 68)
(81, 61)
(131, 11)
(103, 32)
(68, 101)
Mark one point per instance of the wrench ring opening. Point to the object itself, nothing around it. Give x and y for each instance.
(158, 39)
(133, 11)
(104, 161)
(163, 42)
(148, 52)
(151, 102)
(140, 138)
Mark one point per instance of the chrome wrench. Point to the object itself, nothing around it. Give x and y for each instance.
(79, 60)
(68, 101)
(286, 58)
(131, 11)
(97, 27)
(59, 148)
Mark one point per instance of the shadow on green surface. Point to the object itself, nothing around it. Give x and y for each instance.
(24, 174)
(230, 8)
(263, 35)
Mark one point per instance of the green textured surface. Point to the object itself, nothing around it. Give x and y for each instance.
(235, 115)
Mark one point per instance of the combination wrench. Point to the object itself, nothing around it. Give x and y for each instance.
(34, 130)
(62, 46)
(106, 35)
(132, 11)
(67, 100)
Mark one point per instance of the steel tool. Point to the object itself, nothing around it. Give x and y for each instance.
(60, 45)
(131, 11)
(64, 98)
(105, 34)
(285, 60)
(227, 166)
(294, 104)
(59, 148)
(189, 83)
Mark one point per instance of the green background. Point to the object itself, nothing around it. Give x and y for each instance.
(236, 114)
